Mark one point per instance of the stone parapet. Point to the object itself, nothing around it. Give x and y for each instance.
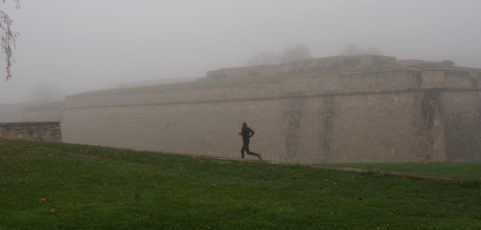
(310, 85)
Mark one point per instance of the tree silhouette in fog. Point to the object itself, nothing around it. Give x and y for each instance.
(7, 38)
(290, 54)
(295, 53)
(353, 49)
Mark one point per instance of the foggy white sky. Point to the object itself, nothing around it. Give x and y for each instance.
(81, 45)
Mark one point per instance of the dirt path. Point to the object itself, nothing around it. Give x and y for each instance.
(394, 173)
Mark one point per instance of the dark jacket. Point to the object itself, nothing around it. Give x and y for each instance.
(246, 133)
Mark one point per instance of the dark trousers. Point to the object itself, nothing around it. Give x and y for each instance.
(245, 149)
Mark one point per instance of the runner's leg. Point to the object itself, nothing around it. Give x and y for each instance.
(253, 153)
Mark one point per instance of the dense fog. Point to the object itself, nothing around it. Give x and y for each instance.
(68, 46)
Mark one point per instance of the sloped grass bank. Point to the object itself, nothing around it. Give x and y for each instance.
(57, 186)
(463, 171)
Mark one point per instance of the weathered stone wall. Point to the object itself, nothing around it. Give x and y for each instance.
(315, 65)
(385, 116)
(461, 113)
(45, 131)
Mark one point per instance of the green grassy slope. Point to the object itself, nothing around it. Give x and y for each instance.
(455, 170)
(56, 186)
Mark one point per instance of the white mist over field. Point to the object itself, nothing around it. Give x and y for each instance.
(69, 46)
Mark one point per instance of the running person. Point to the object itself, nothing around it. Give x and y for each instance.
(246, 134)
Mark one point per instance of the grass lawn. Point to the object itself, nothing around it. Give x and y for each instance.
(457, 170)
(58, 186)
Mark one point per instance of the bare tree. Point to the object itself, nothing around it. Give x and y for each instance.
(7, 38)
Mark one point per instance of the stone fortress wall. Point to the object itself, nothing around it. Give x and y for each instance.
(322, 110)
(43, 131)
(31, 121)
(314, 65)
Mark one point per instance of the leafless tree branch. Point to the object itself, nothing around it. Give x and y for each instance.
(7, 39)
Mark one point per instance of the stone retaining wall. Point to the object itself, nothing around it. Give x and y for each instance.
(45, 131)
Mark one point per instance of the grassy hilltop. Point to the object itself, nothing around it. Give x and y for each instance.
(57, 186)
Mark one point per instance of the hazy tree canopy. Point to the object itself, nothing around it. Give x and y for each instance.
(295, 53)
(7, 38)
(353, 49)
(448, 63)
(290, 54)
(263, 58)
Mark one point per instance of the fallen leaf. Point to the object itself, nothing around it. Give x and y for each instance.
(41, 200)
